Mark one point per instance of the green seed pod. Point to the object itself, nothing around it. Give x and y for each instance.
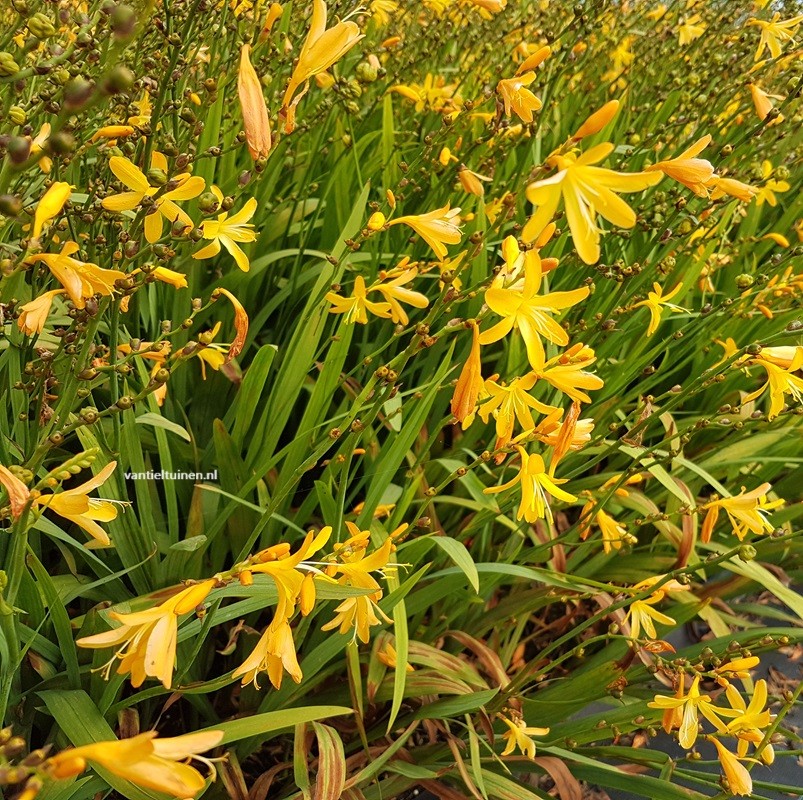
(40, 26)
(157, 177)
(8, 66)
(17, 115)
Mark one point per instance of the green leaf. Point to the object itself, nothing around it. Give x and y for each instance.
(462, 558)
(158, 421)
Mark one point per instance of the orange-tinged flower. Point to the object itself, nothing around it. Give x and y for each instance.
(687, 169)
(535, 483)
(528, 312)
(33, 315)
(256, 121)
(80, 279)
(517, 98)
(763, 103)
(274, 14)
(321, 49)
(730, 186)
(535, 59)
(76, 506)
(469, 384)
(164, 205)
(146, 640)
(739, 780)
(437, 228)
(586, 191)
(17, 491)
(112, 132)
(655, 302)
(50, 206)
(146, 761)
(240, 322)
(597, 121)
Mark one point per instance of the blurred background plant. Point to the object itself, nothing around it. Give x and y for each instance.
(287, 257)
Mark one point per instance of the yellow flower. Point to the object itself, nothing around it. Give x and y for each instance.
(50, 206)
(749, 720)
(228, 231)
(37, 146)
(763, 103)
(376, 221)
(434, 94)
(586, 191)
(146, 761)
(254, 109)
(76, 506)
(354, 569)
(535, 484)
(382, 10)
(321, 49)
(745, 511)
(687, 169)
(469, 384)
(357, 305)
(509, 403)
(146, 640)
(518, 736)
(489, 7)
(112, 132)
(567, 373)
(655, 302)
(274, 14)
(657, 13)
(275, 652)
(528, 312)
(80, 279)
(730, 186)
(781, 381)
(395, 293)
(690, 29)
(689, 705)
(642, 615)
(472, 181)
(517, 97)
(774, 32)
(33, 315)
(164, 206)
(767, 191)
(437, 228)
(739, 780)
